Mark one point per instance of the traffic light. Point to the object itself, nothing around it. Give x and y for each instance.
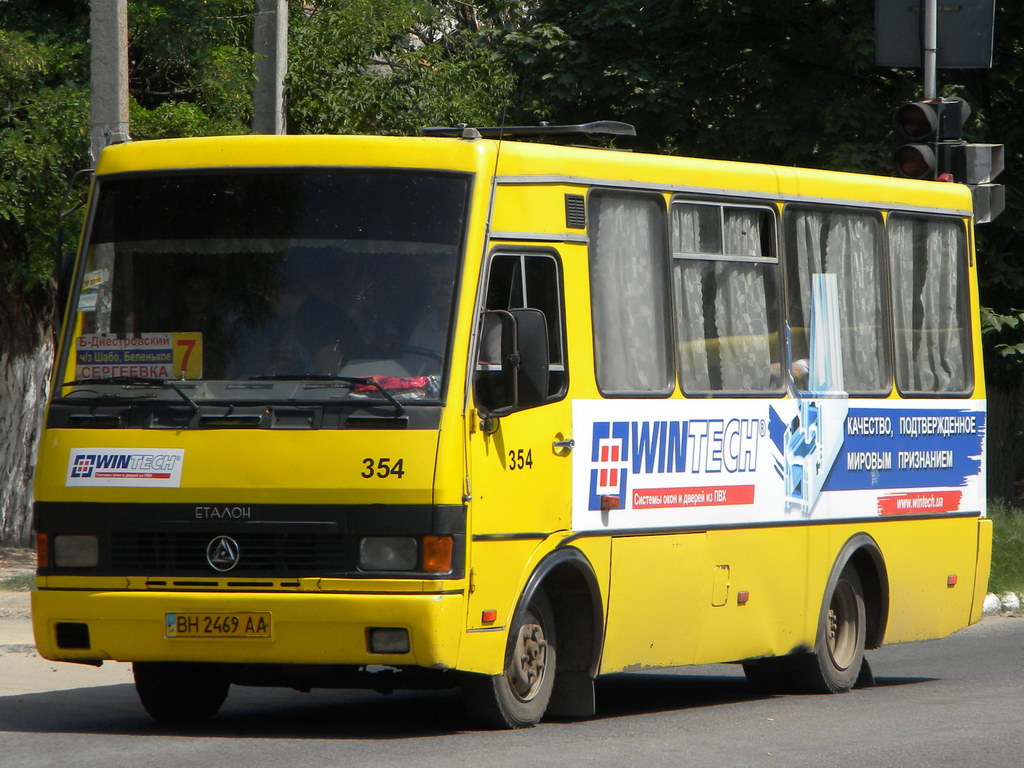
(932, 147)
(931, 131)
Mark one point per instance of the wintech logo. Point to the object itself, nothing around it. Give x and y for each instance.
(83, 466)
(139, 466)
(700, 448)
(88, 465)
(609, 457)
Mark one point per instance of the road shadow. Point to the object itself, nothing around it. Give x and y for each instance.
(262, 713)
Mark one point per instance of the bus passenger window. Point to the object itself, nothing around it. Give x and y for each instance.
(629, 303)
(847, 244)
(725, 284)
(928, 261)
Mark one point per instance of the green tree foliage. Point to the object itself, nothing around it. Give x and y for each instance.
(43, 138)
(362, 66)
(190, 67)
(769, 81)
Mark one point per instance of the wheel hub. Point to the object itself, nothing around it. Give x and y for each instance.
(842, 626)
(529, 661)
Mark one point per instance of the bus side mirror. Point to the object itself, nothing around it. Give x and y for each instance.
(513, 369)
(532, 367)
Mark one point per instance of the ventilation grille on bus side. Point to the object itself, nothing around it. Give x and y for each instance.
(575, 212)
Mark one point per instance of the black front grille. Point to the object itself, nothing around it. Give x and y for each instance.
(274, 541)
(279, 554)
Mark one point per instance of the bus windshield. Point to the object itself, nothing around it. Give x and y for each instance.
(271, 276)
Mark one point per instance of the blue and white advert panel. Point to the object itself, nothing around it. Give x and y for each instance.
(673, 463)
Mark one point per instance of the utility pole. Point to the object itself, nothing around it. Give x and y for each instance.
(108, 101)
(930, 46)
(270, 45)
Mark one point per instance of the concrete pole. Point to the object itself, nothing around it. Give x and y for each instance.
(930, 46)
(108, 102)
(270, 45)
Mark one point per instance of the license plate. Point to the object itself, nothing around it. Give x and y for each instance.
(217, 625)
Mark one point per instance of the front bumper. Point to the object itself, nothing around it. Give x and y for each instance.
(320, 628)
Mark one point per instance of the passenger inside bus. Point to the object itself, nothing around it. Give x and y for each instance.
(307, 333)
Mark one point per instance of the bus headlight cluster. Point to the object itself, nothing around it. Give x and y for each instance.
(76, 551)
(431, 554)
(388, 553)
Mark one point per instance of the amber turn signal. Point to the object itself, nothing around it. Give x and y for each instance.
(437, 554)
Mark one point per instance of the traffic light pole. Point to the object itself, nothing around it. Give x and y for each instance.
(931, 130)
(929, 46)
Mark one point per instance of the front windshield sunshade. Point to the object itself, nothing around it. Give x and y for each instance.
(269, 285)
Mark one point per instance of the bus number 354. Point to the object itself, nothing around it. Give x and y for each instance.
(517, 459)
(383, 468)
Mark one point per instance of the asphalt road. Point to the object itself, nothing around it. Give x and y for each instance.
(952, 702)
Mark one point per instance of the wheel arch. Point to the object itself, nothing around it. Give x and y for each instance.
(571, 585)
(866, 556)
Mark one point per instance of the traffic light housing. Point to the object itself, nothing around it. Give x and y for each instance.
(929, 132)
(932, 147)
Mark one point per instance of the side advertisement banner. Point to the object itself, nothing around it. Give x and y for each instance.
(671, 463)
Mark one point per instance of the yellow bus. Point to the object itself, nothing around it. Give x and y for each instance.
(469, 410)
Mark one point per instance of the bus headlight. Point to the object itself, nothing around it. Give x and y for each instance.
(76, 551)
(391, 553)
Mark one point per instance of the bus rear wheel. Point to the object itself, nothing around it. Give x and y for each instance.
(175, 692)
(839, 649)
(519, 697)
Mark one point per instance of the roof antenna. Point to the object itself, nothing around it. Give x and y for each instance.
(494, 175)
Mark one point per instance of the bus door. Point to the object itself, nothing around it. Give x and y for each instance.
(519, 439)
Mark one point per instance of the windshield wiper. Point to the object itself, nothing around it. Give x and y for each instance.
(137, 381)
(399, 408)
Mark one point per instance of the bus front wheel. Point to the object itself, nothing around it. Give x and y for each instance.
(839, 649)
(518, 698)
(175, 692)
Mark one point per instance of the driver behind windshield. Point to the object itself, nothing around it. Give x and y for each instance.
(306, 333)
(424, 352)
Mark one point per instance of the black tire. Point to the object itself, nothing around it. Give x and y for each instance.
(176, 692)
(838, 654)
(519, 697)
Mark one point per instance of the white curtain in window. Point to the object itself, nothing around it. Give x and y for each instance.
(928, 313)
(852, 253)
(803, 248)
(628, 295)
(689, 295)
(741, 312)
(940, 297)
(725, 301)
(901, 254)
(845, 244)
